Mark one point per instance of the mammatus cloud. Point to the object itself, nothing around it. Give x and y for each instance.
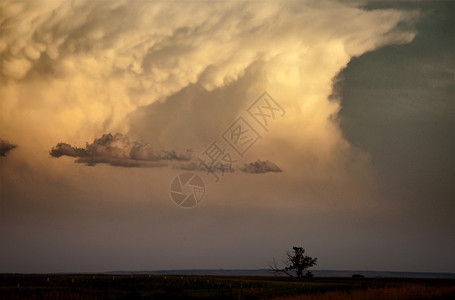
(118, 150)
(260, 166)
(84, 65)
(5, 147)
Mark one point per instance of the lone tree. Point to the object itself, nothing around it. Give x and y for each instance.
(297, 261)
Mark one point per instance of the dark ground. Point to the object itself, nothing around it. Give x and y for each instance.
(102, 286)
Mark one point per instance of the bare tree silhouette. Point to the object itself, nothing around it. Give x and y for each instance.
(296, 261)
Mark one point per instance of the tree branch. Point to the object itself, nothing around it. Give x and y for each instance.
(274, 268)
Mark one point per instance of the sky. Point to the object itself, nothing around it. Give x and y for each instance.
(322, 124)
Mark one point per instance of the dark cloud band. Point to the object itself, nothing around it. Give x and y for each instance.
(118, 150)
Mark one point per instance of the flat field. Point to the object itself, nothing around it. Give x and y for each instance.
(102, 286)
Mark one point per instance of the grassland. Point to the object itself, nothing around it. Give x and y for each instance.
(99, 286)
